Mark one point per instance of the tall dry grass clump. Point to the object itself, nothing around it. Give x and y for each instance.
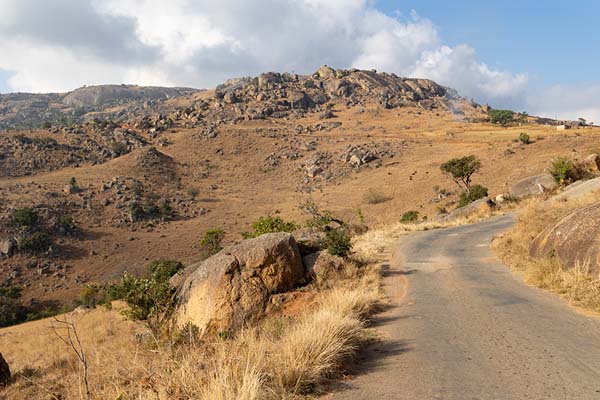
(577, 285)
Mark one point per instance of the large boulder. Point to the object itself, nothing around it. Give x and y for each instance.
(533, 186)
(4, 372)
(574, 240)
(322, 265)
(310, 240)
(300, 100)
(232, 288)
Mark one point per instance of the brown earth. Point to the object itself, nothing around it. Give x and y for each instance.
(228, 174)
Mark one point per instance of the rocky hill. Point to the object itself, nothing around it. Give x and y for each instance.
(28, 110)
(139, 174)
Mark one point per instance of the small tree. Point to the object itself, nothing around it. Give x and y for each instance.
(502, 117)
(461, 170)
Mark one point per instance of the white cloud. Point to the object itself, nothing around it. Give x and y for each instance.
(200, 43)
(567, 102)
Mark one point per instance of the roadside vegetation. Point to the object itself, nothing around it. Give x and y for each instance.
(576, 285)
(127, 347)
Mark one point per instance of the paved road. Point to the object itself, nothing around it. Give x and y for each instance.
(467, 328)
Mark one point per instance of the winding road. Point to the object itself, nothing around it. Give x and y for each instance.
(462, 326)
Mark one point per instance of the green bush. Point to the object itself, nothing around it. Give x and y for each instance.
(67, 222)
(562, 169)
(502, 117)
(211, 242)
(477, 192)
(11, 310)
(337, 242)
(269, 224)
(25, 216)
(411, 216)
(35, 242)
(149, 297)
(524, 138)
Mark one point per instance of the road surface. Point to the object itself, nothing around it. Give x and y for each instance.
(463, 327)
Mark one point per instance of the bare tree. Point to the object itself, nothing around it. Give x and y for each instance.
(71, 339)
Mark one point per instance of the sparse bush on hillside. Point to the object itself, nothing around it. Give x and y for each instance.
(269, 224)
(211, 242)
(11, 310)
(461, 170)
(119, 148)
(150, 210)
(411, 216)
(374, 197)
(67, 222)
(562, 169)
(502, 117)
(36, 242)
(477, 192)
(25, 217)
(524, 138)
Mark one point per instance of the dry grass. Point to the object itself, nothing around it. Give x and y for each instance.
(281, 358)
(576, 285)
(375, 243)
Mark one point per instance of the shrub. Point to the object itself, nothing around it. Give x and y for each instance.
(35, 242)
(67, 222)
(411, 216)
(562, 169)
(524, 138)
(136, 212)
(337, 242)
(502, 117)
(477, 192)
(211, 242)
(461, 170)
(165, 209)
(119, 148)
(25, 216)
(11, 310)
(373, 197)
(269, 224)
(149, 297)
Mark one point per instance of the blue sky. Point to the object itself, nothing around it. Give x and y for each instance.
(535, 56)
(555, 42)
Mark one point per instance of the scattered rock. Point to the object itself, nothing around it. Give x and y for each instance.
(533, 186)
(322, 265)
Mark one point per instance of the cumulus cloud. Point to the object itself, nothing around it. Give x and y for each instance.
(67, 43)
(567, 102)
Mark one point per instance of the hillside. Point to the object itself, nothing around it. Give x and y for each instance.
(155, 168)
